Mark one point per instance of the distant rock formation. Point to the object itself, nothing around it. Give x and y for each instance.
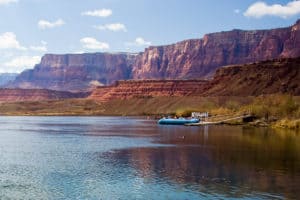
(10, 95)
(190, 59)
(76, 72)
(5, 78)
(267, 77)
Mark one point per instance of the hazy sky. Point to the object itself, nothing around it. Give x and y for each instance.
(31, 28)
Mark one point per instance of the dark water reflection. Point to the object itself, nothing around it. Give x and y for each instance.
(231, 161)
(134, 158)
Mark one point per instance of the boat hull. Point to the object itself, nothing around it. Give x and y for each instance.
(179, 121)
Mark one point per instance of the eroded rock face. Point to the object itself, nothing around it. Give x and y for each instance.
(200, 58)
(10, 95)
(148, 88)
(267, 77)
(5, 78)
(291, 46)
(76, 72)
(190, 59)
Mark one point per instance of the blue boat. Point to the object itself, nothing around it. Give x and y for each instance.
(179, 121)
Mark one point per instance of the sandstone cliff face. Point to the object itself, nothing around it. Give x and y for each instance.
(190, 59)
(200, 58)
(5, 78)
(148, 89)
(76, 72)
(291, 47)
(267, 77)
(9, 95)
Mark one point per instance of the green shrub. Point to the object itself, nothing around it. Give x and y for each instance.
(275, 105)
(288, 123)
(233, 105)
(184, 112)
(288, 107)
(221, 111)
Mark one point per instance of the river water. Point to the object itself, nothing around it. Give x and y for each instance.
(134, 158)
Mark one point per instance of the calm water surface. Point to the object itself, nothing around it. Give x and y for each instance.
(133, 158)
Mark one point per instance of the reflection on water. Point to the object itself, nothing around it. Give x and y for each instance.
(231, 161)
(130, 158)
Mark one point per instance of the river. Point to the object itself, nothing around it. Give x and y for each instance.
(134, 158)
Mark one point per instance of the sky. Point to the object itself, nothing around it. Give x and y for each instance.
(31, 28)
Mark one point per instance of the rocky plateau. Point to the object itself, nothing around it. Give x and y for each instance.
(189, 59)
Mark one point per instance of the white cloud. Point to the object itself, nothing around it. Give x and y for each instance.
(5, 2)
(44, 43)
(237, 11)
(112, 27)
(18, 64)
(43, 24)
(38, 48)
(9, 40)
(98, 13)
(92, 43)
(260, 9)
(7, 54)
(139, 41)
(42, 47)
(78, 52)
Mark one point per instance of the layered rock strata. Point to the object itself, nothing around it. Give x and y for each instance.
(200, 58)
(189, 59)
(76, 72)
(148, 89)
(268, 77)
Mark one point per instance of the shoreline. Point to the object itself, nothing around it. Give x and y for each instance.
(256, 123)
(275, 110)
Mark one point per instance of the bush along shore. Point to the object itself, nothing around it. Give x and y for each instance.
(277, 110)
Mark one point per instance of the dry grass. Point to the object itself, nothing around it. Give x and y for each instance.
(57, 107)
(278, 106)
(270, 107)
(135, 106)
(287, 124)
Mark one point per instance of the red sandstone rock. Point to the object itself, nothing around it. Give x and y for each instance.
(267, 77)
(76, 72)
(148, 89)
(200, 58)
(190, 59)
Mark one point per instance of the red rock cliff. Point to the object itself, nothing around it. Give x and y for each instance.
(76, 72)
(267, 77)
(201, 57)
(190, 59)
(148, 89)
